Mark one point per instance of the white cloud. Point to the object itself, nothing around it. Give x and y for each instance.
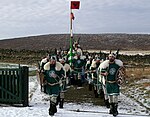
(34, 17)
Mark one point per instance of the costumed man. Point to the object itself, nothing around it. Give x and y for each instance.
(77, 47)
(65, 54)
(67, 70)
(65, 81)
(75, 44)
(89, 76)
(110, 69)
(59, 55)
(79, 50)
(41, 75)
(53, 75)
(94, 70)
(78, 69)
(102, 80)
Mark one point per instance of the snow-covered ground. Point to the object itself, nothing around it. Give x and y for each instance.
(13, 65)
(139, 91)
(38, 107)
(123, 52)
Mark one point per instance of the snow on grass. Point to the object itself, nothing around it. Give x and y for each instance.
(126, 106)
(123, 52)
(140, 92)
(39, 105)
(33, 84)
(13, 65)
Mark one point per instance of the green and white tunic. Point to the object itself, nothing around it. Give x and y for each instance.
(78, 65)
(53, 76)
(111, 85)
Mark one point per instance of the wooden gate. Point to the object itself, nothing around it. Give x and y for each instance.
(14, 86)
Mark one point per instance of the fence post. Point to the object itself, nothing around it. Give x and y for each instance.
(143, 66)
(25, 83)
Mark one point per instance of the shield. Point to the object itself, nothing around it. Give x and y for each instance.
(121, 76)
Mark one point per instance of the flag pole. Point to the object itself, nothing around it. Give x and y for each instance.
(71, 38)
(74, 5)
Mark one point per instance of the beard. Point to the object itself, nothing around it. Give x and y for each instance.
(111, 60)
(52, 65)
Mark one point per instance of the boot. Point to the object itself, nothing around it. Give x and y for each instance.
(58, 99)
(61, 103)
(52, 109)
(101, 94)
(111, 108)
(95, 93)
(44, 88)
(79, 83)
(51, 113)
(90, 87)
(55, 109)
(115, 111)
(107, 103)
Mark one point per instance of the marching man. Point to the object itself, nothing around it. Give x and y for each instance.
(53, 75)
(110, 69)
(41, 75)
(78, 69)
(96, 84)
(65, 82)
(67, 70)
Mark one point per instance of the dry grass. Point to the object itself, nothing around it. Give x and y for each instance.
(146, 84)
(87, 41)
(137, 73)
(137, 85)
(82, 95)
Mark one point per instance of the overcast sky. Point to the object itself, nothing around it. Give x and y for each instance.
(20, 18)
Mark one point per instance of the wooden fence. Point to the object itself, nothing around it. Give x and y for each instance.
(14, 86)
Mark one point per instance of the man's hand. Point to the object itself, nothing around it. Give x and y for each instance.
(104, 74)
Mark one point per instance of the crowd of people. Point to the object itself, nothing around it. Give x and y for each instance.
(103, 73)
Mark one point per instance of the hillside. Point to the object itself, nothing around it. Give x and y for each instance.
(87, 42)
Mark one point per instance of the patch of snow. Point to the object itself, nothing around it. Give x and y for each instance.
(39, 105)
(139, 92)
(143, 81)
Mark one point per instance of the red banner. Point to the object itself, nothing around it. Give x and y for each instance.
(75, 4)
(72, 16)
